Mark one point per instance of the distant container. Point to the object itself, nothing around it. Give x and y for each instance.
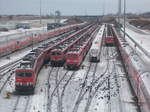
(54, 25)
(24, 25)
(5, 26)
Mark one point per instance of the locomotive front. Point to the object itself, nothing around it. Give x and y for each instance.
(24, 79)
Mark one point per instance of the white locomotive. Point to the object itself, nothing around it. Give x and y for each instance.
(94, 54)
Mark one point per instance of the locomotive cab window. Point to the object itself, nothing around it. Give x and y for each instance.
(55, 53)
(24, 74)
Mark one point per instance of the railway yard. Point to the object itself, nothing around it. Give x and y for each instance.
(86, 67)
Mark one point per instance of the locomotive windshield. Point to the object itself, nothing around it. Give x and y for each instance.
(55, 53)
(24, 74)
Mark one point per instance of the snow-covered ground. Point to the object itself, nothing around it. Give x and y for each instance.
(72, 91)
(95, 87)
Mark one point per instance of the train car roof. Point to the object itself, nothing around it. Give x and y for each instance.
(26, 65)
(97, 41)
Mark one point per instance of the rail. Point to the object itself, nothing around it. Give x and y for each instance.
(138, 45)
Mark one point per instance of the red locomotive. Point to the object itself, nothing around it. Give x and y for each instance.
(53, 45)
(109, 39)
(75, 55)
(58, 53)
(26, 74)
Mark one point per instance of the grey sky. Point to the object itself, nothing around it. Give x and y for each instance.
(70, 7)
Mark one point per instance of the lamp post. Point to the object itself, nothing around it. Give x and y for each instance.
(103, 6)
(32, 40)
(119, 10)
(124, 18)
(40, 11)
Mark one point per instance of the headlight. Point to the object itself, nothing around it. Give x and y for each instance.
(20, 83)
(17, 83)
(29, 83)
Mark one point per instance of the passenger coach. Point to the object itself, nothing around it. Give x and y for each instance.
(94, 54)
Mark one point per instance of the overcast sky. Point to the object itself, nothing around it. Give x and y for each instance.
(71, 7)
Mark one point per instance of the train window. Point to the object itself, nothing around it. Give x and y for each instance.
(28, 74)
(55, 53)
(24, 74)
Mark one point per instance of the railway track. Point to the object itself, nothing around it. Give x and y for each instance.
(7, 72)
(8, 68)
(90, 90)
(57, 89)
(9, 65)
(60, 94)
(95, 86)
(113, 85)
(90, 87)
(21, 104)
(5, 82)
(117, 82)
(50, 96)
(56, 92)
(83, 88)
(64, 88)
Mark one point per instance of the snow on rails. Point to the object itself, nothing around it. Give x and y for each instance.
(70, 50)
(97, 83)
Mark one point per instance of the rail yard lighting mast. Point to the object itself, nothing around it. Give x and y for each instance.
(40, 11)
(57, 16)
(124, 18)
(119, 10)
